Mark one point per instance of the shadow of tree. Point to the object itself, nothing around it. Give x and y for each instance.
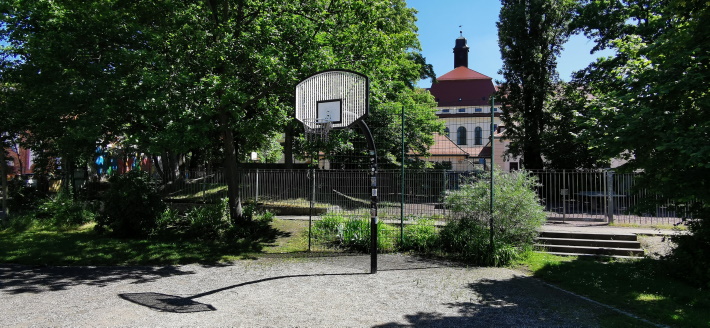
(645, 287)
(18, 279)
(520, 302)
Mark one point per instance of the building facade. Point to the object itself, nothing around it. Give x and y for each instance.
(464, 102)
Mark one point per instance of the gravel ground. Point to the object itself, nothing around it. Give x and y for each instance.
(288, 292)
(656, 246)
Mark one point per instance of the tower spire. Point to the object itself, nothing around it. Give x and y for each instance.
(461, 51)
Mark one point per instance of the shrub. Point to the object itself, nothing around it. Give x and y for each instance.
(63, 211)
(211, 223)
(353, 233)
(517, 215)
(132, 205)
(22, 198)
(692, 251)
(422, 236)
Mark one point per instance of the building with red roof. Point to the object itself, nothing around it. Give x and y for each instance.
(463, 96)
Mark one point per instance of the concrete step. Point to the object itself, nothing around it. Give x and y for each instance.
(591, 255)
(589, 242)
(588, 235)
(589, 250)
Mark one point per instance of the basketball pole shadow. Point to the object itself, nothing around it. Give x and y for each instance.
(179, 304)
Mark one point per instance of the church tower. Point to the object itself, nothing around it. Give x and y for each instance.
(461, 52)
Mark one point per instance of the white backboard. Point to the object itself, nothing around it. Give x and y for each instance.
(338, 96)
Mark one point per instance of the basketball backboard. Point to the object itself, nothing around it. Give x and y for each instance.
(336, 96)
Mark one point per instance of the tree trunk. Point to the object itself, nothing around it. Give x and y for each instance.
(288, 147)
(3, 176)
(231, 170)
(158, 167)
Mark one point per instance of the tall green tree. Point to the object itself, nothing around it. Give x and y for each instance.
(564, 141)
(531, 34)
(172, 76)
(652, 105)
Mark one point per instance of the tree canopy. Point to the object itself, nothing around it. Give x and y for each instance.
(531, 34)
(651, 106)
(173, 76)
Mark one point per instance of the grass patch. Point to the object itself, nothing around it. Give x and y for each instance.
(39, 245)
(294, 237)
(211, 191)
(643, 287)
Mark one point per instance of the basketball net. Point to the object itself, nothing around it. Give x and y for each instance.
(317, 131)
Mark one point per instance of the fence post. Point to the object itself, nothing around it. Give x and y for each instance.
(401, 205)
(256, 188)
(564, 196)
(313, 201)
(610, 196)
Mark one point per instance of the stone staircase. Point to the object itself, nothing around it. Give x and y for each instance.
(589, 244)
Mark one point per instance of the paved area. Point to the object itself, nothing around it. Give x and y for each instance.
(603, 227)
(289, 292)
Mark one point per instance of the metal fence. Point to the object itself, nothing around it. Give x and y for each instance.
(333, 191)
(597, 196)
(602, 196)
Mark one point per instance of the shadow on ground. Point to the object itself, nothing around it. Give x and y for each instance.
(18, 279)
(520, 302)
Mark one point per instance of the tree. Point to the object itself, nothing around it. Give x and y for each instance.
(530, 35)
(564, 143)
(172, 76)
(652, 106)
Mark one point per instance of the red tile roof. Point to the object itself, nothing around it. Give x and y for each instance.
(462, 73)
(478, 151)
(463, 87)
(443, 146)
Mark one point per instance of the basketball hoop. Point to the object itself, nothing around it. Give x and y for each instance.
(317, 130)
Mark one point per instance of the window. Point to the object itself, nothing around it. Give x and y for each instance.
(444, 110)
(462, 110)
(461, 136)
(495, 109)
(514, 166)
(447, 132)
(479, 110)
(478, 136)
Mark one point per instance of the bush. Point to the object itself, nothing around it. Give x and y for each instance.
(22, 198)
(517, 215)
(421, 236)
(132, 204)
(211, 223)
(692, 252)
(353, 233)
(63, 211)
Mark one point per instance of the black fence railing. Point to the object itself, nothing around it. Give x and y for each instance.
(603, 196)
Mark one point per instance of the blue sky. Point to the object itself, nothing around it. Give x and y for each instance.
(439, 20)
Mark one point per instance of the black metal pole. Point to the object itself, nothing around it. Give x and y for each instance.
(373, 189)
(491, 241)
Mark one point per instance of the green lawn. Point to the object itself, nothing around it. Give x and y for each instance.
(642, 287)
(83, 246)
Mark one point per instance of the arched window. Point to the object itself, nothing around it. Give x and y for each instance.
(478, 136)
(461, 136)
(447, 132)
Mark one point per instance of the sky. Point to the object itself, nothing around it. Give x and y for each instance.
(438, 23)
